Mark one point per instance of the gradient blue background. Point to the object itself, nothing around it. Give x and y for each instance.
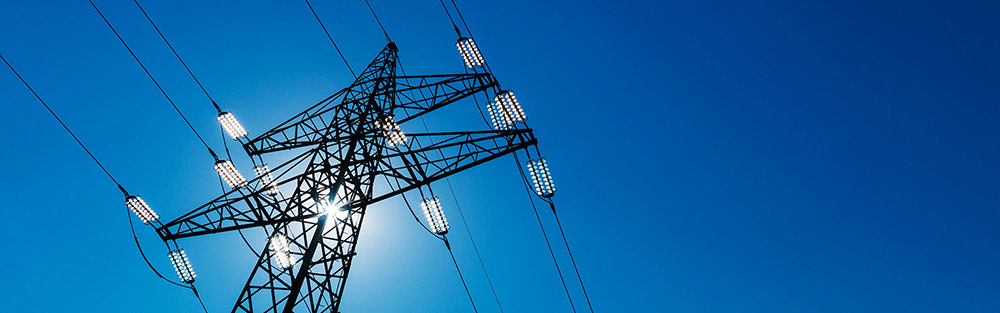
(716, 156)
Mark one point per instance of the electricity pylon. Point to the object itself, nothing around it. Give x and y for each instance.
(350, 140)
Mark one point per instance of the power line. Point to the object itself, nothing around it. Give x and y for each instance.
(334, 302)
(450, 18)
(92, 157)
(561, 232)
(460, 17)
(549, 201)
(153, 79)
(195, 78)
(196, 295)
(447, 244)
(131, 225)
(177, 55)
(331, 39)
(474, 247)
(460, 275)
(486, 66)
(457, 205)
(544, 235)
(143, 254)
(379, 21)
(571, 258)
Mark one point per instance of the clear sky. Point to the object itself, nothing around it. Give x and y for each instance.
(711, 156)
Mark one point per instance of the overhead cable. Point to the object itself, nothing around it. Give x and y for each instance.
(379, 21)
(92, 157)
(331, 39)
(177, 55)
(154, 80)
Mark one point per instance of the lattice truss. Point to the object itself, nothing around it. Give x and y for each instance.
(347, 147)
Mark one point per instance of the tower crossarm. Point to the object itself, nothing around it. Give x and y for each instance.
(303, 129)
(327, 127)
(244, 207)
(418, 95)
(329, 119)
(410, 166)
(324, 122)
(429, 157)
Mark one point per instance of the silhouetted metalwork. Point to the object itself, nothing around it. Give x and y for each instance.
(325, 189)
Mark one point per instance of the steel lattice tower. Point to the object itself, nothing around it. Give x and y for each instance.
(350, 140)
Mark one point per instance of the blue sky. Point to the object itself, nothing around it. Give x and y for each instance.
(716, 156)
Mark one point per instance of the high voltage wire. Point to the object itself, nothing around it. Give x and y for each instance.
(218, 109)
(443, 238)
(544, 235)
(460, 17)
(177, 55)
(331, 39)
(460, 276)
(474, 247)
(571, 259)
(379, 21)
(143, 254)
(448, 245)
(461, 214)
(99, 164)
(486, 68)
(527, 188)
(92, 157)
(450, 18)
(549, 201)
(204, 90)
(459, 207)
(154, 80)
(181, 114)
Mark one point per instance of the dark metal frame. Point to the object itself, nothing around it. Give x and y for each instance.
(345, 153)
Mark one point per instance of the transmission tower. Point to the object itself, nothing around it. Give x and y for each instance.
(349, 141)
(312, 205)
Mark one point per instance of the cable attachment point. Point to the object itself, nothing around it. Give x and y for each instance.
(435, 215)
(541, 178)
(470, 52)
(182, 265)
(141, 209)
(231, 126)
(228, 172)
